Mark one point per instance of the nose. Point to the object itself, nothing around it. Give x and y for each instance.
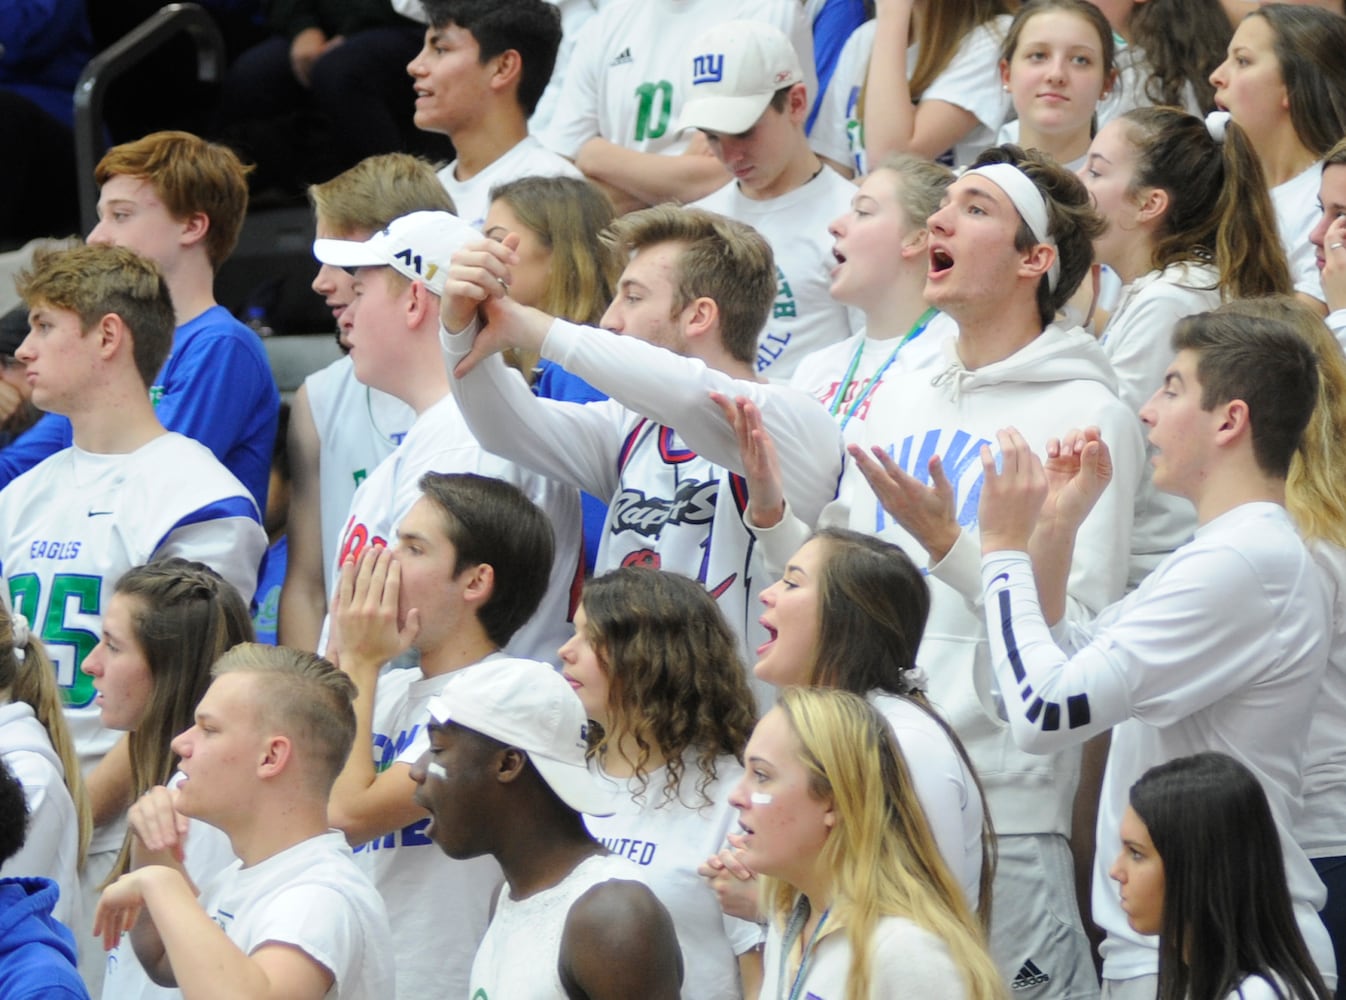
(938, 222)
(182, 743)
(1056, 68)
(612, 318)
(1117, 872)
(1217, 76)
(770, 595)
(837, 227)
(323, 281)
(738, 795)
(1147, 415)
(416, 67)
(92, 664)
(418, 768)
(565, 651)
(24, 352)
(1318, 234)
(98, 234)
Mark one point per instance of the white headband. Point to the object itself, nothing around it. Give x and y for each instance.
(1029, 202)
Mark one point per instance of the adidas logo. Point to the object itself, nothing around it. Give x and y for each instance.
(623, 58)
(1029, 976)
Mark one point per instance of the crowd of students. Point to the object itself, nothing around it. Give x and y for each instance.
(757, 541)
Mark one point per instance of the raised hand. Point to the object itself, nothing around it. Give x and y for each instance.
(924, 512)
(1011, 497)
(761, 466)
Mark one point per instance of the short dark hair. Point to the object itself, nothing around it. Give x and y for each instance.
(13, 814)
(1227, 910)
(531, 28)
(93, 280)
(493, 522)
(1263, 362)
(1071, 221)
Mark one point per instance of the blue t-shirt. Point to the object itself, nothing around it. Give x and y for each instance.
(216, 387)
(266, 600)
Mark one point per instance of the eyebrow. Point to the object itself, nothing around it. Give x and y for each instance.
(1099, 157)
(792, 568)
(491, 233)
(1171, 377)
(979, 193)
(626, 283)
(414, 536)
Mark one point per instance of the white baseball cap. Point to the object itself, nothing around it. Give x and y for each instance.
(734, 70)
(528, 705)
(417, 246)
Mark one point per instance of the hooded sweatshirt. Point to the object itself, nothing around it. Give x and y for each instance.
(51, 849)
(37, 953)
(1058, 381)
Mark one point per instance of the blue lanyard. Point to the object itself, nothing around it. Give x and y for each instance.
(916, 330)
(792, 931)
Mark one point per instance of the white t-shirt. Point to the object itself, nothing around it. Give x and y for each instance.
(1133, 74)
(358, 427)
(434, 942)
(529, 158)
(1138, 343)
(944, 785)
(519, 956)
(804, 316)
(1322, 829)
(1297, 212)
(440, 441)
(1223, 647)
(1009, 132)
(904, 960)
(626, 76)
(73, 524)
(206, 853)
(314, 898)
(822, 373)
(51, 847)
(667, 841)
(971, 81)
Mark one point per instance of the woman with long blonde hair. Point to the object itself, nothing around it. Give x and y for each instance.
(35, 743)
(1314, 497)
(858, 896)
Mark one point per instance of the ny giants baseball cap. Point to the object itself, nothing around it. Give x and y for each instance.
(734, 69)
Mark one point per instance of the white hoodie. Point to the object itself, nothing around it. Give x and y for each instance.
(1059, 381)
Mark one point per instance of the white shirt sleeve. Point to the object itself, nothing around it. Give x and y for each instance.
(1155, 657)
(675, 391)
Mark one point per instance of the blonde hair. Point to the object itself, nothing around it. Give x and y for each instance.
(304, 696)
(1313, 493)
(376, 191)
(568, 216)
(31, 679)
(881, 855)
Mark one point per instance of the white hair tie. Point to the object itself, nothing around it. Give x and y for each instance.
(1217, 124)
(1031, 204)
(20, 636)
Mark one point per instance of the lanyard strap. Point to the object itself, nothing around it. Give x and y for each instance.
(792, 931)
(916, 330)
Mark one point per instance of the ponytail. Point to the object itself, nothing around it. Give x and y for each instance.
(1251, 264)
(30, 676)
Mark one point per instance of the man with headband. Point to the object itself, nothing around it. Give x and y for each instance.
(1009, 246)
(507, 775)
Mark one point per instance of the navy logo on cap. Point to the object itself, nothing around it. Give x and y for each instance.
(708, 68)
(414, 261)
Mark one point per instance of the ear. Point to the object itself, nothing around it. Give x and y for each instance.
(275, 757)
(420, 304)
(114, 336)
(797, 104)
(1235, 423)
(830, 817)
(510, 764)
(508, 70)
(1153, 205)
(702, 318)
(1108, 84)
(480, 583)
(1038, 261)
(915, 244)
(194, 229)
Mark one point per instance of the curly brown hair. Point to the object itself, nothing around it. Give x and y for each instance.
(675, 679)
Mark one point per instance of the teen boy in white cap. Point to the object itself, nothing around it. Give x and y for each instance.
(506, 775)
(746, 93)
(394, 339)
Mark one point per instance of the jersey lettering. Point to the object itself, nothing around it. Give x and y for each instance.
(66, 643)
(694, 503)
(656, 107)
(356, 537)
(640, 851)
(43, 549)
